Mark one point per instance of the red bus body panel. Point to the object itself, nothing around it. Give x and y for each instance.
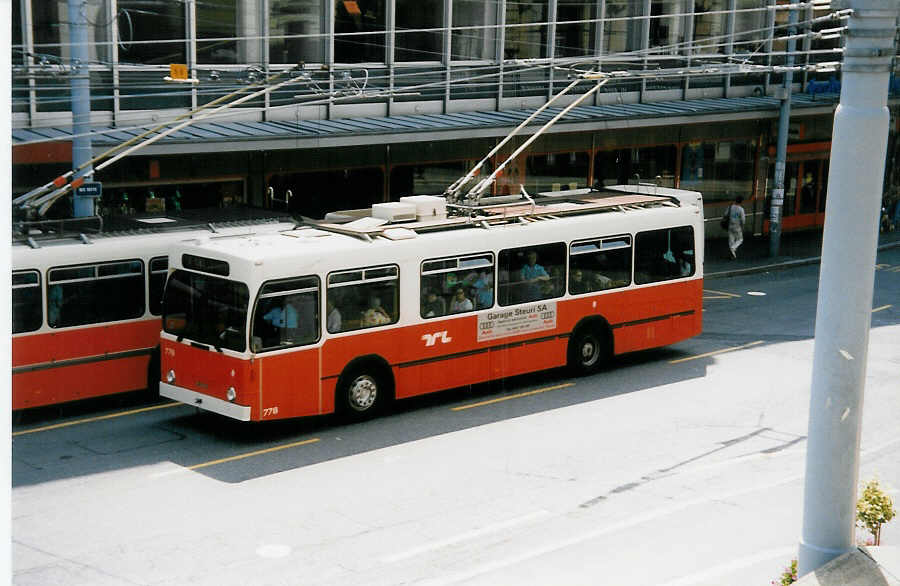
(303, 382)
(81, 363)
(289, 383)
(210, 372)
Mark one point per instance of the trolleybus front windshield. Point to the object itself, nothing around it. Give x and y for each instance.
(206, 309)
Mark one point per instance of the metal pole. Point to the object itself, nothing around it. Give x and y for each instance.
(80, 87)
(784, 118)
(843, 315)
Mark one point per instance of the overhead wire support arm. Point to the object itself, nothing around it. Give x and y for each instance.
(43, 203)
(60, 183)
(476, 192)
(452, 192)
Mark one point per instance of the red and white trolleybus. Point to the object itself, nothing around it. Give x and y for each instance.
(86, 309)
(396, 303)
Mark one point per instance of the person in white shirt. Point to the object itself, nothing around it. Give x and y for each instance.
(736, 219)
(333, 318)
(460, 302)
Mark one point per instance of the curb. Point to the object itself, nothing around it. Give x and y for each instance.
(781, 266)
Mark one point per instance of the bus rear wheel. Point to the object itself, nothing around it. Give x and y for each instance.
(588, 350)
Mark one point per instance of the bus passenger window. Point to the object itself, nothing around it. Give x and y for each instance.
(532, 273)
(665, 254)
(364, 298)
(286, 314)
(598, 265)
(87, 294)
(457, 285)
(159, 267)
(27, 315)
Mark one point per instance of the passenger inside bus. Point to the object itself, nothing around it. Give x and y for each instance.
(530, 275)
(433, 305)
(54, 304)
(282, 317)
(578, 284)
(333, 317)
(460, 302)
(287, 320)
(375, 315)
(278, 322)
(484, 290)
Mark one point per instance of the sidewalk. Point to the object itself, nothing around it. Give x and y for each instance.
(797, 248)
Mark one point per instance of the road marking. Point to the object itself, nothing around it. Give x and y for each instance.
(468, 535)
(720, 571)
(99, 418)
(713, 353)
(882, 308)
(613, 528)
(719, 294)
(509, 397)
(634, 521)
(251, 454)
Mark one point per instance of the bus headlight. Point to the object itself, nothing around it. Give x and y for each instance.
(170, 377)
(231, 394)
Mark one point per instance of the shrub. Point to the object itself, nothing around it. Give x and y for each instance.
(788, 576)
(874, 509)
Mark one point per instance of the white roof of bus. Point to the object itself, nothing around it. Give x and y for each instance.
(313, 250)
(111, 247)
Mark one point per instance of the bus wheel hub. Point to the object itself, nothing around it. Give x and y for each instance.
(363, 392)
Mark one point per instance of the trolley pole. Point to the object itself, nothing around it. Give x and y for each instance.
(784, 118)
(846, 283)
(80, 88)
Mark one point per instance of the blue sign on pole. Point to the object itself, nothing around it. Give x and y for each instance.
(89, 190)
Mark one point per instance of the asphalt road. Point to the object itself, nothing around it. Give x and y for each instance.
(676, 466)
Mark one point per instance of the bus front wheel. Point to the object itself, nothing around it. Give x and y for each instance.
(361, 393)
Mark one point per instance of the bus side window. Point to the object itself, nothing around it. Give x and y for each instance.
(27, 314)
(364, 298)
(456, 285)
(286, 314)
(532, 273)
(159, 267)
(86, 294)
(660, 255)
(597, 265)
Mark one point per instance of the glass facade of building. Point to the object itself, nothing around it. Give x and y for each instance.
(443, 52)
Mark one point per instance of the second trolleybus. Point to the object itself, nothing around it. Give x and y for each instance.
(347, 316)
(86, 305)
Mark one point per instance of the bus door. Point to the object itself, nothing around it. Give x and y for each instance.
(805, 183)
(286, 316)
(804, 198)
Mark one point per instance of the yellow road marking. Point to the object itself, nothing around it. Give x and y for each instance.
(882, 308)
(719, 294)
(722, 351)
(251, 454)
(99, 418)
(509, 397)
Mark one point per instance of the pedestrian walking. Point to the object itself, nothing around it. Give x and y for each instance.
(736, 217)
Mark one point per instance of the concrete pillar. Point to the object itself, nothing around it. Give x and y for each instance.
(846, 283)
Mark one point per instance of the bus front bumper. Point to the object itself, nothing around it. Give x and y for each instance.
(239, 412)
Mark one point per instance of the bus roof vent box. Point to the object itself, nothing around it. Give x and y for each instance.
(394, 211)
(428, 207)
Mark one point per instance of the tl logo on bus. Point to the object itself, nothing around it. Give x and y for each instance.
(431, 339)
